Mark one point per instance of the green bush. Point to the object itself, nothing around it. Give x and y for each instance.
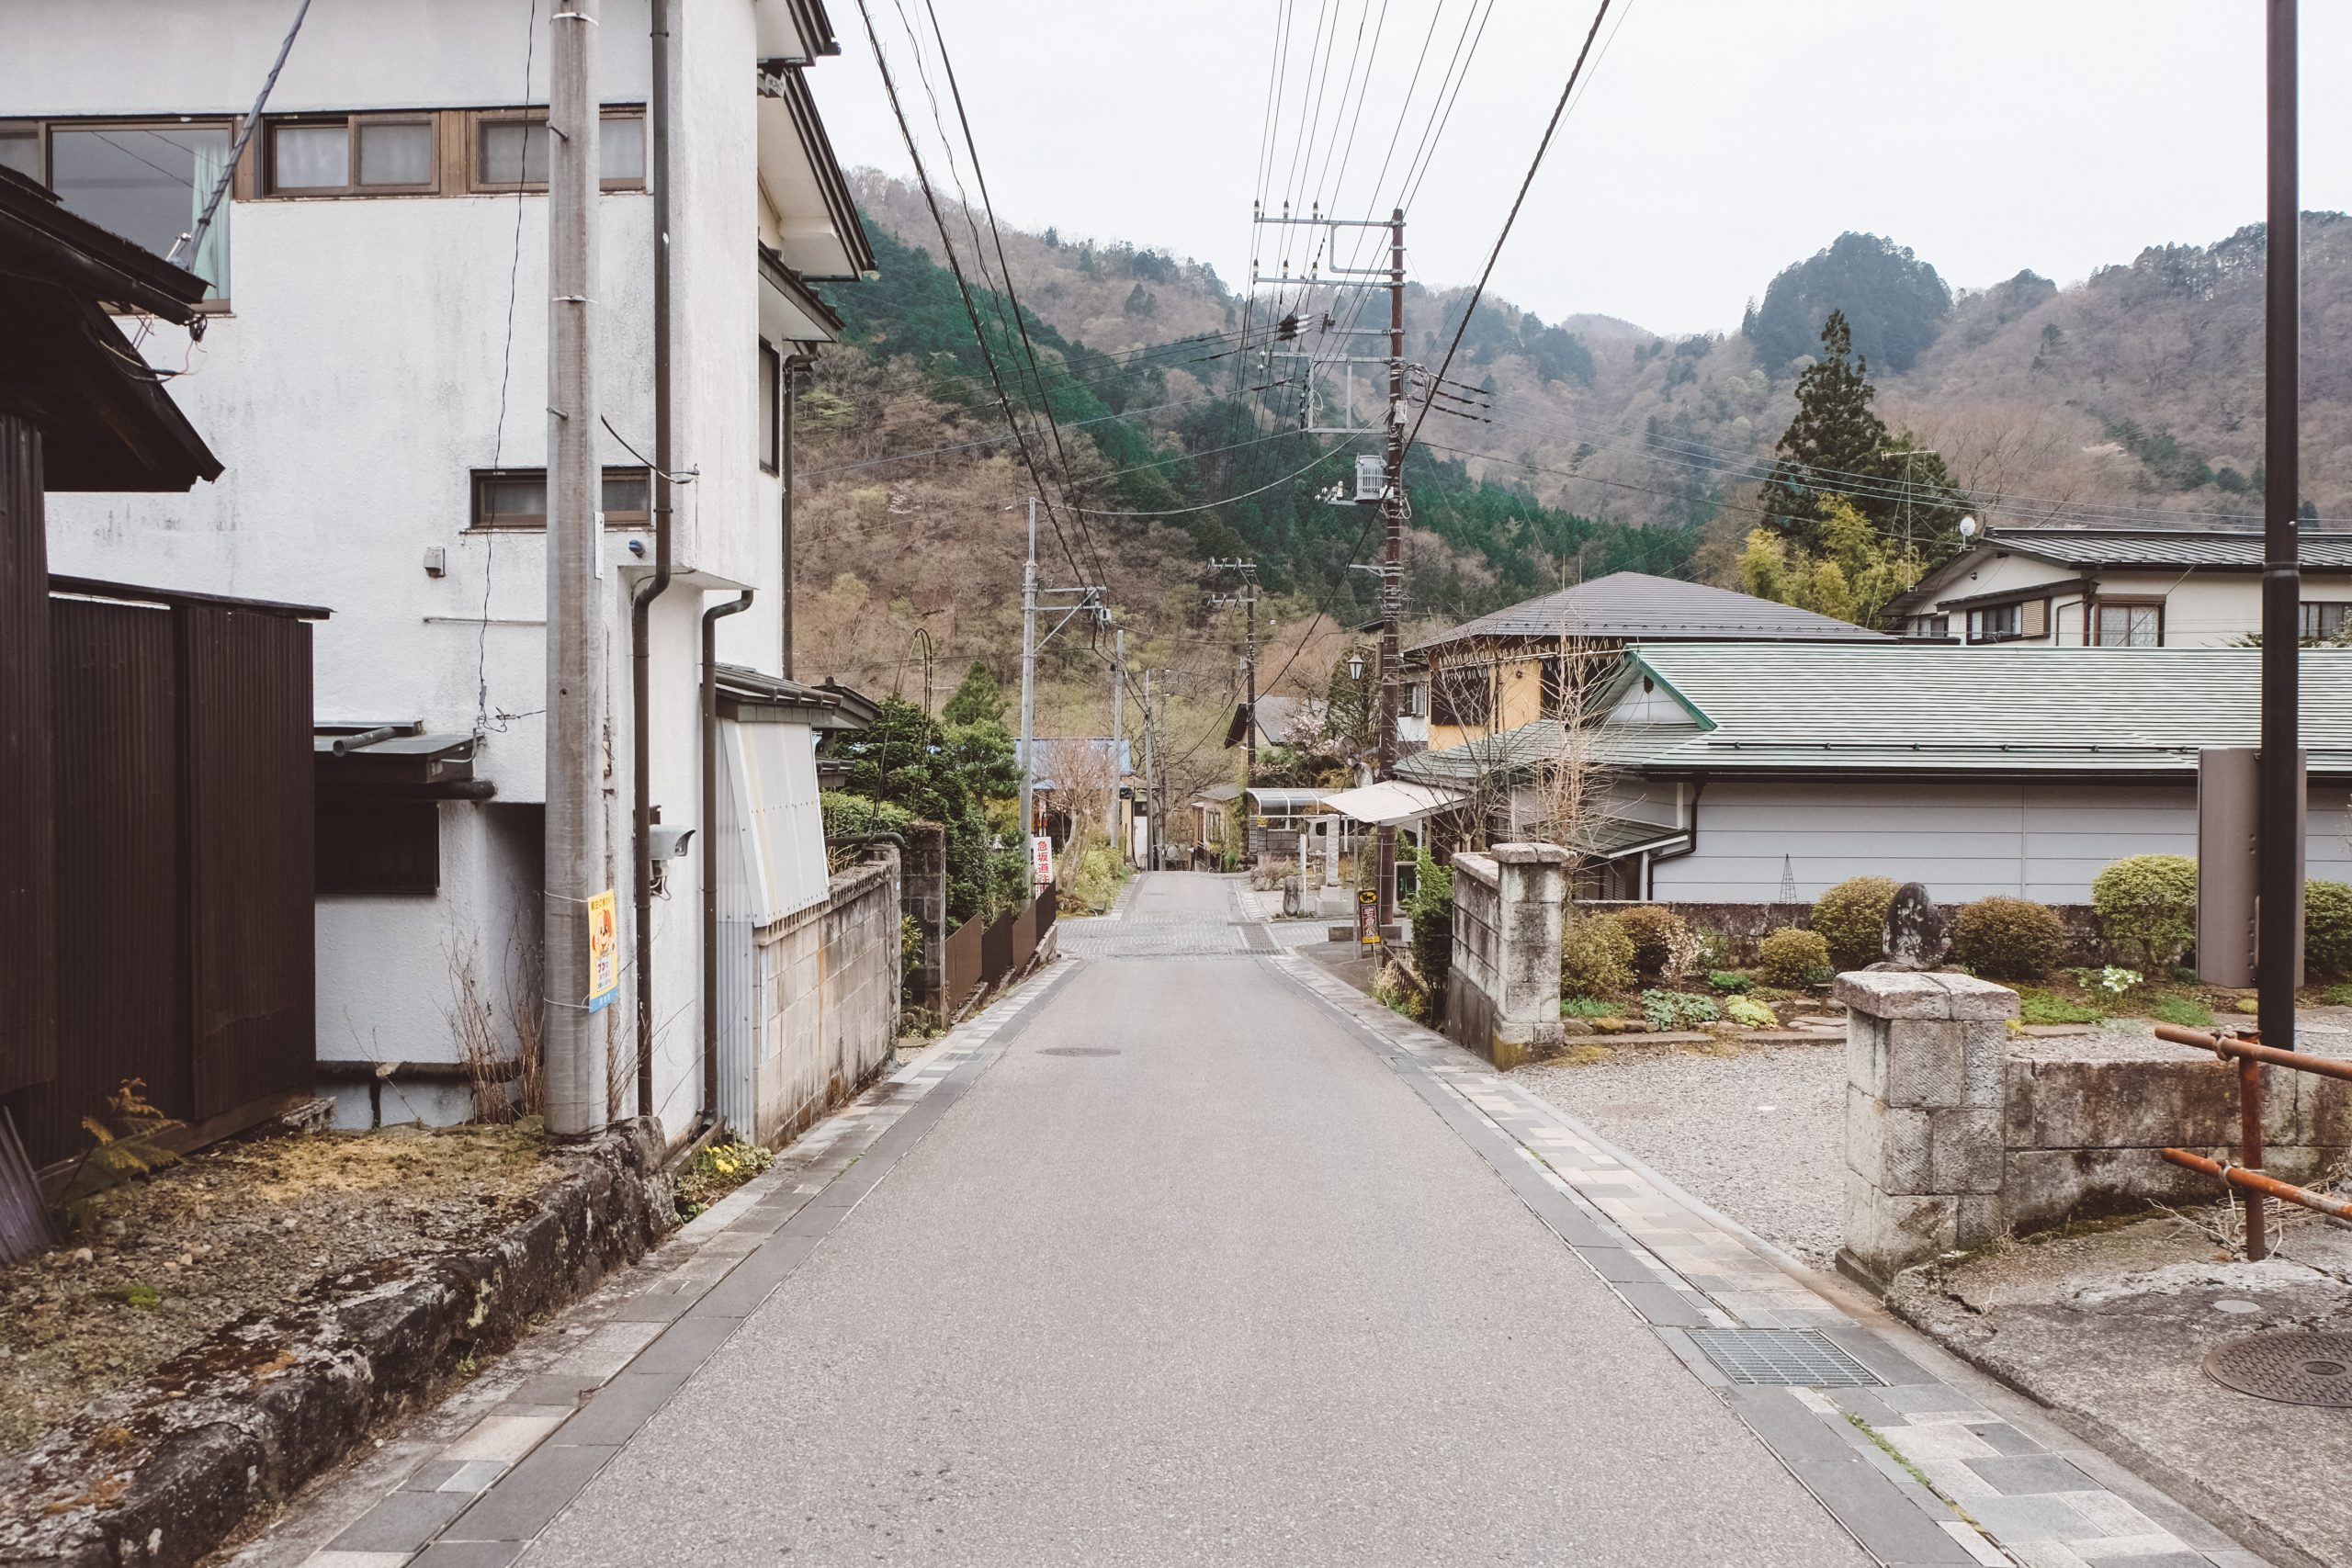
(2041, 1006)
(1851, 918)
(1095, 884)
(1596, 957)
(1754, 1014)
(2147, 908)
(1793, 957)
(1731, 982)
(1665, 1010)
(853, 816)
(2327, 930)
(1589, 1007)
(2010, 939)
(1431, 909)
(1656, 934)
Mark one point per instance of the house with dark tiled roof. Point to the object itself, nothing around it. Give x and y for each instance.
(1529, 662)
(2122, 588)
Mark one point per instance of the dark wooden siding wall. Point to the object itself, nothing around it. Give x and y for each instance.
(182, 909)
(27, 972)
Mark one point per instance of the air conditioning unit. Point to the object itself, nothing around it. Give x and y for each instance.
(1372, 478)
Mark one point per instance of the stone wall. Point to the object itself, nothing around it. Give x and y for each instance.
(1958, 1134)
(1502, 992)
(827, 1008)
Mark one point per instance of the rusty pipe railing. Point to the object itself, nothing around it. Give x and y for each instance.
(2251, 1055)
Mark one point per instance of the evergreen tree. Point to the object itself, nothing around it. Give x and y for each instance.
(1836, 446)
(1851, 576)
(977, 698)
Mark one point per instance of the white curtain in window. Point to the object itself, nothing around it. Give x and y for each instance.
(210, 261)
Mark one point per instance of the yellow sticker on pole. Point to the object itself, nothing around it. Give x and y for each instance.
(604, 950)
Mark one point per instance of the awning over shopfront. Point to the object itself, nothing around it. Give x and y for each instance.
(1390, 803)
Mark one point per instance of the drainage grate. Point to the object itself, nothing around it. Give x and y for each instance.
(1258, 939)
(1804, 1357)
(2292, 1366)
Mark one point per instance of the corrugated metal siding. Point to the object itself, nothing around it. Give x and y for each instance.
(776, 767)
(27, 976)
(249, 800)
(123, 989)
(740, 991)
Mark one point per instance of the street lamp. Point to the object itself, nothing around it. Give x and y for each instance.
(1355, 666)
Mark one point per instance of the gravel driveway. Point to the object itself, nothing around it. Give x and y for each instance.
(1758, 1134)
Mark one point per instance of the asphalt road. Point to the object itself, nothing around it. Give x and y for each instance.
(1220, 1289)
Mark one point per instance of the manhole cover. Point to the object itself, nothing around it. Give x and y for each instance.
(1801, 1358)
(1078, 1050)
(2292, 1366)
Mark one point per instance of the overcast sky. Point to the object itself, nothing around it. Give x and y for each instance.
(1718, 141)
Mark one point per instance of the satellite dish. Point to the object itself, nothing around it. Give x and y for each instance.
(1969, 527)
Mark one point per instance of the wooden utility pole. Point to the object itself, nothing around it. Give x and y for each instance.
(1392, 554)
(1028, 681)
(578, 835)
(1118, 740)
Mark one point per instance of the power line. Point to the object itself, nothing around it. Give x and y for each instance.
(1212, 505)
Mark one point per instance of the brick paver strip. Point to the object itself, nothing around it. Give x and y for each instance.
(1680, 1265)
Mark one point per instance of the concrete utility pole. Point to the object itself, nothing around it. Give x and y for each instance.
(1248, 599)
(2279, 847)
(1118, 738)
(1028, 677)
(578, 835)
(1392, 553)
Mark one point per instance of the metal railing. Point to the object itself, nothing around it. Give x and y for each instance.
(2251, 1055)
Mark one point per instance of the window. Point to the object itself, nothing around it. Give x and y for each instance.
(1462, 695)
(1931, 625)
(771, 409)
(510, 150)
(147, 183)
(2128, 625)
(20, 149)
(354, 155)
(2323, 621)
(517, 497)
(1993, 624)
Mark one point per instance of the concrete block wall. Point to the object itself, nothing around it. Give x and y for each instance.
(1958, 1133)
(1502, 992)
(828, 1003)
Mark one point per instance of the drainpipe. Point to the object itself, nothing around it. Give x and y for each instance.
(708, 828)
(1649, 865)
(794, 365)
(641, 601)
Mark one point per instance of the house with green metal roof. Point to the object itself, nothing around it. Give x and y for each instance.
(2148, 587)
(1734, 771)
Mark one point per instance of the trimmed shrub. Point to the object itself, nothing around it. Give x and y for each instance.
(2009, 939)
(1596, 958)
(1731, 982)
(1851, 918)
(2327, 930)
(2147, 908)
(1792, 957)
(1431, 909)
(1657, 935)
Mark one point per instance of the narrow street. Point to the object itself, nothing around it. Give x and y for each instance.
(1183, 1252)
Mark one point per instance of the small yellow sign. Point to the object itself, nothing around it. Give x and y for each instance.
(604, 950)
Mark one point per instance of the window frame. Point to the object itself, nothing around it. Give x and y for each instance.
(770, 391)
(615, 522)
(479, 184)
(240, 177)
(2098, 614)
(351, 123)
(2309, 618)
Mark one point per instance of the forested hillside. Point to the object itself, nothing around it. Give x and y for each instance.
(1568, 448)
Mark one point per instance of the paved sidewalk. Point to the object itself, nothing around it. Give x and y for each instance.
(1952, 1451)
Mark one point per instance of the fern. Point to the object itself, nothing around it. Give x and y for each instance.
(123, 1143)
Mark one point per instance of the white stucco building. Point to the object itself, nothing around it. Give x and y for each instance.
(2120, 588)
(375, 371)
